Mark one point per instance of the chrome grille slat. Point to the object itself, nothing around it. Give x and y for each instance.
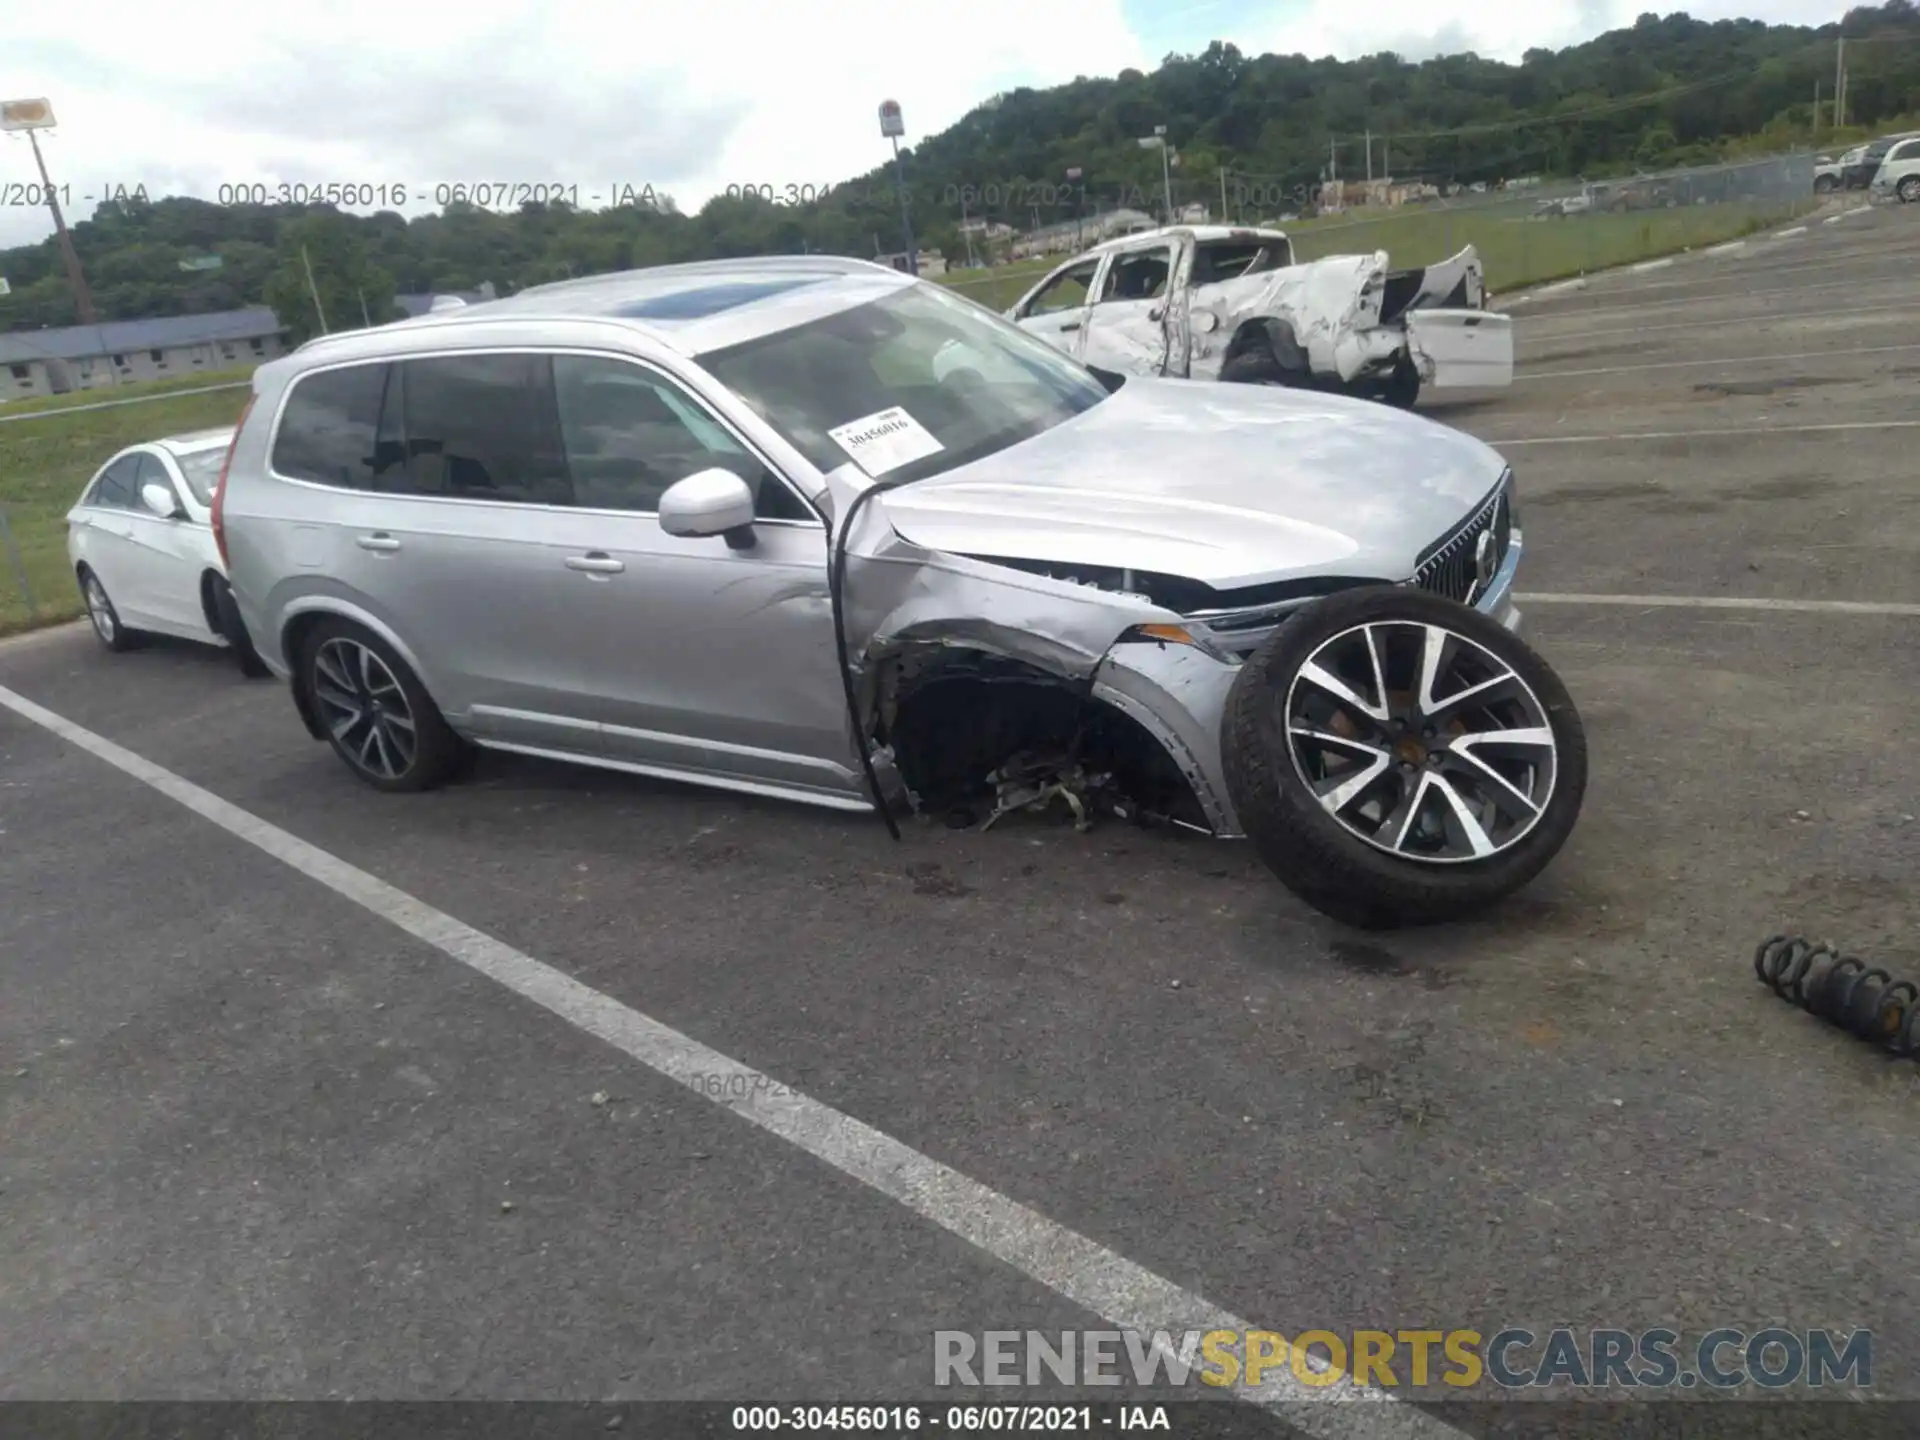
(1449, 570)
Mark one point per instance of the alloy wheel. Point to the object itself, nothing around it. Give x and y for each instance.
(99, 609)
(1910, 189)
(364, 708)
(1421, 742)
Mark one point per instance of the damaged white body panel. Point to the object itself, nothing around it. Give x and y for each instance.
(1213, 303)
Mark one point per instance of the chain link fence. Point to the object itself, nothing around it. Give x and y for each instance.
(1526, 233)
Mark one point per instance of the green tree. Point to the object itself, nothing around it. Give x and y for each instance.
(324, 255)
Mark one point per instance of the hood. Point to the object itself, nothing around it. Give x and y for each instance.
(1230, 485)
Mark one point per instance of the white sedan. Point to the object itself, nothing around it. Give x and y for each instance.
(141, 544)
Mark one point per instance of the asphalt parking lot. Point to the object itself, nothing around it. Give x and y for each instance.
(265, 1139)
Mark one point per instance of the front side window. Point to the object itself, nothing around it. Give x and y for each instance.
(628, 434)
(201, 470)
(909, 385)
(328, 429)
(1066, 291)
(152, 471)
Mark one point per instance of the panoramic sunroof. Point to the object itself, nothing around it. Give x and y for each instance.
(710, 299)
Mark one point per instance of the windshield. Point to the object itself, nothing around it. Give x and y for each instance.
(907, 386)
(202, 471)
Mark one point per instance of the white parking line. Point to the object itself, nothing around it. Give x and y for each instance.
(1744, 361)
(1125, 1294)
(1603, 308)
(1788, 234)
(1726, 602)
(1498, 440)
(1890, 313)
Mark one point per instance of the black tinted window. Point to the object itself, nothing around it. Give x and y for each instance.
(327, 430)
(479, 427)
(629, 434)
(114, 489)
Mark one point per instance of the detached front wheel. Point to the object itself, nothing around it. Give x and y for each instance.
(1400, 759)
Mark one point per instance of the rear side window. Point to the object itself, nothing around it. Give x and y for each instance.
(1230, 259)
(477, 427)
(328, 429)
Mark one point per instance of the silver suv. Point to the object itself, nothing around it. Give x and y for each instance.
(815, 529)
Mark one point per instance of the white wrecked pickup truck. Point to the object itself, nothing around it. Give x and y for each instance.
(1212, 302)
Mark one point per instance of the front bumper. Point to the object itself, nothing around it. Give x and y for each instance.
(1178, 694)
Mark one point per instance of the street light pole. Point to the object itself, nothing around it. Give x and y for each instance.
(33, 116)
(893, 126)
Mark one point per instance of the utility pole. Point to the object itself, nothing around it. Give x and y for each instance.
(1839, 82)
(40, 117)
(966, 231)
(1223, 195)
(1816, 109)
(314, 290)
(1369, 155)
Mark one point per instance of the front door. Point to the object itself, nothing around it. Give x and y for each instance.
(1126, 329)
(164, 557)
(703, 660)
(1057, 311)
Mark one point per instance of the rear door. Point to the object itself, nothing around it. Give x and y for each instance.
(448, 526)
(1126, 329)
(1057, 310)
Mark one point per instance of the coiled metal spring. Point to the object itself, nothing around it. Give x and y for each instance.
(1862, 999)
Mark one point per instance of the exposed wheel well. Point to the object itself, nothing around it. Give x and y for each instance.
(953, 716)
(209, 609)
(293, 637)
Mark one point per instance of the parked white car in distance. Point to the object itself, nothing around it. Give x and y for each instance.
(140, 540)
(1899, 174)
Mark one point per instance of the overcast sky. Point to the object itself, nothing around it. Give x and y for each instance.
(185, 96)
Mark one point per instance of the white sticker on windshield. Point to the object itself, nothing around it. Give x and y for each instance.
(885, 440)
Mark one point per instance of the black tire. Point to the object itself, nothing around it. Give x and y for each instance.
(1314, 854)
(233, 630)
(436, 754)
(1909, 190)
(107, 628)
(1402, 387)
(1823, 184)
(1259, 363)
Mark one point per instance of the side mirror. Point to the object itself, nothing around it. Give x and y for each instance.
(710, 502)
(160, 500)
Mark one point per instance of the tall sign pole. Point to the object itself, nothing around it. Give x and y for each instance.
(31, 116)
(892, 127)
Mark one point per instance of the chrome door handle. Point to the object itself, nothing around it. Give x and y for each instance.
(1066, 328)
(383, 544)
(596, 562)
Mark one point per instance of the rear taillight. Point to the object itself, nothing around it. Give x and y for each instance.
(220, 487)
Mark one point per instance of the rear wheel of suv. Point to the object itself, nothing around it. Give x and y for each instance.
(1823, 184)
(1909, 190)
(377, 715)
(1400, 759)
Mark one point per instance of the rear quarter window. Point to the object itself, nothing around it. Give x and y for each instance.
(329, 425)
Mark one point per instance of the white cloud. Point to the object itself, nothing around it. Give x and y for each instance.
(1419, 29)
(686, 97)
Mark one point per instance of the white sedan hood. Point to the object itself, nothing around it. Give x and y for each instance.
(1230, 485)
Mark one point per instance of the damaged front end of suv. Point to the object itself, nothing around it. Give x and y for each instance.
(1394, 751)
